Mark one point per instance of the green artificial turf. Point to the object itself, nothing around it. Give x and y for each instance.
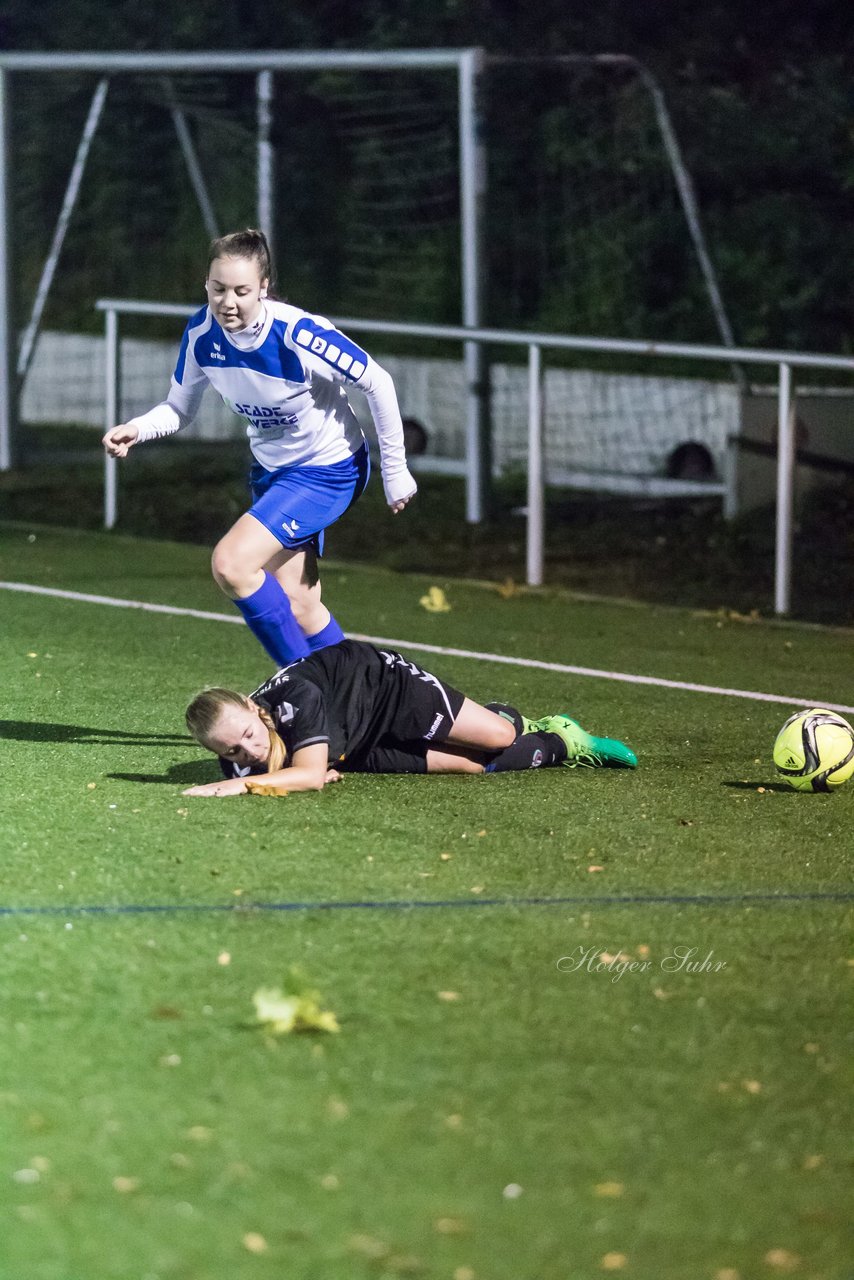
(495, 1106)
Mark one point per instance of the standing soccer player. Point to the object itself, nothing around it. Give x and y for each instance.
(285, 372)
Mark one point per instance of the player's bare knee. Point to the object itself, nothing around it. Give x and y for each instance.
(230, 574)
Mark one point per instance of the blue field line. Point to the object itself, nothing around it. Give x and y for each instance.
(407, 904)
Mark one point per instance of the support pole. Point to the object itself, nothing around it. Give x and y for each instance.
(471, 199)
(191, 160)
(536, 491)
(112, 415)
(28, 341)
(785, 488)
(8, 384)
(266, 156)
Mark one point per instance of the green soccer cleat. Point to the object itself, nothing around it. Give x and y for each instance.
(584, 748)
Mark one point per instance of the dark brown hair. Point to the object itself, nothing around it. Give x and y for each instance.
(248, 243)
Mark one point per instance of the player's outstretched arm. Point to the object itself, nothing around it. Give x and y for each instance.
(119, 439)
(309, 772)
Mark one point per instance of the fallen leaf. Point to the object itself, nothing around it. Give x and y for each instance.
(256, 788)
(512, 1191)
(812, 1162)
(613, 1261)
(369, 1246)
(170, 1060)
(200, 1133)
(435, 601)
(609, 1189)
(751, 1086)
(224, 958)
(179, 1161)
(453, 1122)
(727, 1273)
(642, 950)
(125, 1185)
(464, 1273)
(166, 1012)
(330, 1182)
(661, 994)
(255, 1242)
(477, 888)
(595, 867)
(782, 1259)
(811, 1048)
(450, 1226)
(337, 1108)
(446, 857)
(448, 995)
(90, 786)
(296, 1008)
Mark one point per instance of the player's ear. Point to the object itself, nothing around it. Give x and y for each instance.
(265, 284)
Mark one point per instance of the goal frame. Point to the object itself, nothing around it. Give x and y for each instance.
(466, 62)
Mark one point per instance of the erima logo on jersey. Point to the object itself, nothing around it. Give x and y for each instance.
(290, 527)
(332, 347)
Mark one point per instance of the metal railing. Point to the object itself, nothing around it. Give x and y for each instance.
(536, 343)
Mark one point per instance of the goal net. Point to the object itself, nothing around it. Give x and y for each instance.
(584, 232)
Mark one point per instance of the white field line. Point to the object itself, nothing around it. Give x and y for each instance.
(561, 668)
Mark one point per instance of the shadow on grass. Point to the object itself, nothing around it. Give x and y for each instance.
(196, 771)
(754, 786)
(46, 731)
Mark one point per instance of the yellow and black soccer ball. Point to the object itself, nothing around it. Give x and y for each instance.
(814, 750)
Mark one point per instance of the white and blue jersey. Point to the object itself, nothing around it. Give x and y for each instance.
(286, 376)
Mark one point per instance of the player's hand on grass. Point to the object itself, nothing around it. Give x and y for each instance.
(227, 787)
(119, 439)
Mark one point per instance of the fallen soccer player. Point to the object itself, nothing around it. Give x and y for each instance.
(353, 708)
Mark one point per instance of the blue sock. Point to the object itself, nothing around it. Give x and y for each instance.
(331, 634)
(270, 618)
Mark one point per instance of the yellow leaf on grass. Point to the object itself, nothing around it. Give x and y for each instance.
(782, 1259)
(125, 1185)
(435, 601)
(295, 1006)
(281, 1014)
(613, 1262)
(255, 1242)
(609, 1189)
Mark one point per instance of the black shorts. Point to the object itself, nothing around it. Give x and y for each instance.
(389, 757)
(422, 710)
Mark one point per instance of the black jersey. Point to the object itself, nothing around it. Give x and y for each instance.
(354, 697)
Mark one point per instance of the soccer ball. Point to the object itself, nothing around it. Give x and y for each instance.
(814, 750)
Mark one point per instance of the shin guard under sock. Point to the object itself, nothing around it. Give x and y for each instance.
(330, 634)
(270, 618)
(529, 751)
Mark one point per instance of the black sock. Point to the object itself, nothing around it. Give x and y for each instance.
(529, 751)
(507, 712)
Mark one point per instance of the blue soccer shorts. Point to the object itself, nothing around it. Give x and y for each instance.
(296, 504)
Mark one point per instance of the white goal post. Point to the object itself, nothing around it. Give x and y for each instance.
(466, 63)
